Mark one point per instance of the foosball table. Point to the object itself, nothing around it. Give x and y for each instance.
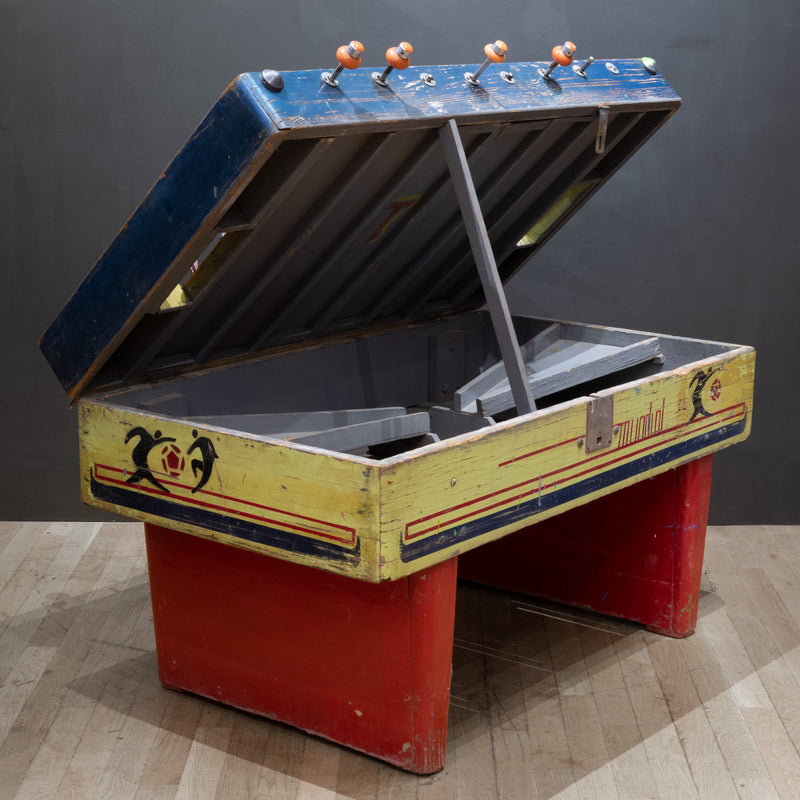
(296, 364)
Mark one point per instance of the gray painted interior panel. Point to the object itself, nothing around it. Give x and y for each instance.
(559, 357)
(367, 434)
(288, 426)
(565, 364)
(381, 388)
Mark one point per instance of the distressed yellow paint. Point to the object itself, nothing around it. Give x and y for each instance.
(315, 496)
(259, 481)
(498, 468)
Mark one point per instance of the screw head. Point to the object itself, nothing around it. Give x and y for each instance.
(650, 65)
(272, 79)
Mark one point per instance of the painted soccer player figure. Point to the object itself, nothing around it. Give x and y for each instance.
(204, 465)
(701, 378)
(145, 444)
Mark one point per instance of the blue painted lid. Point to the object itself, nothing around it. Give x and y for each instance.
(315, 211)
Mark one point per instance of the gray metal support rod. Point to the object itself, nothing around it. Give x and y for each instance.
(487, 268)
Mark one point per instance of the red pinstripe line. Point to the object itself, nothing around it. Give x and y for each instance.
(595, 468)
(245, 502)
(228, 511)
(536, 452)
(644, 438)
(483, 509)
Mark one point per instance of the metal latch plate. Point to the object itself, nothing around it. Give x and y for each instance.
(599, 423)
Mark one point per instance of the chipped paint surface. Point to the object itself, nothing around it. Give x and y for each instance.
(253, 493)
(530, 468)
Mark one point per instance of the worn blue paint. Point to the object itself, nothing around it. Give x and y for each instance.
(306, 101)
(149, 255)
(183, 201)
(462, 533)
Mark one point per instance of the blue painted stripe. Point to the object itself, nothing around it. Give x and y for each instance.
(530, 508)
(232, 526)
(192, 187)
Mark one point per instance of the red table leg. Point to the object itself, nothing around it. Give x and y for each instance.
(636, 553)
(366, 665)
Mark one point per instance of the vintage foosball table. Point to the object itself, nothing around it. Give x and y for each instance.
(282, 367)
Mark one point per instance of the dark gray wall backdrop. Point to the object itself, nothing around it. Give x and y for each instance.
(698, 235)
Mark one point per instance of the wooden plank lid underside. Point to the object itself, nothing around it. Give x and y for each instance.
(314, 212)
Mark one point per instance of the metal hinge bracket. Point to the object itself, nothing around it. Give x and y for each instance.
(602, 128)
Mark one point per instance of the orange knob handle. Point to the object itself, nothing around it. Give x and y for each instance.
(349, 55)
(562, 54)
(496, 51)
(397, 57)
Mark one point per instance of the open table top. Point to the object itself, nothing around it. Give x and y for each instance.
(298, 215)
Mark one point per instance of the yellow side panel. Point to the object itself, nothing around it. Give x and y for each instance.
(382, 520)
(304, 506)
(482, 486)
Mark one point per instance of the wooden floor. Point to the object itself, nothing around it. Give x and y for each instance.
(546, 701)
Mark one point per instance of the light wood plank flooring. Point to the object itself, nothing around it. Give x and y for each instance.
(547, 702)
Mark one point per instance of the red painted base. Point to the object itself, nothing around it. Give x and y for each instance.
(368, 665)
(365, 665)
(637, 553)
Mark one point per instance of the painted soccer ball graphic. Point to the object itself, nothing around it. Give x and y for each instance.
(172, 460)
(716, 389)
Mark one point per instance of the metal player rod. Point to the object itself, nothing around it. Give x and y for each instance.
(349, 57)
(487, 268)
(561, 55)
(495, 52)
(397, 58)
